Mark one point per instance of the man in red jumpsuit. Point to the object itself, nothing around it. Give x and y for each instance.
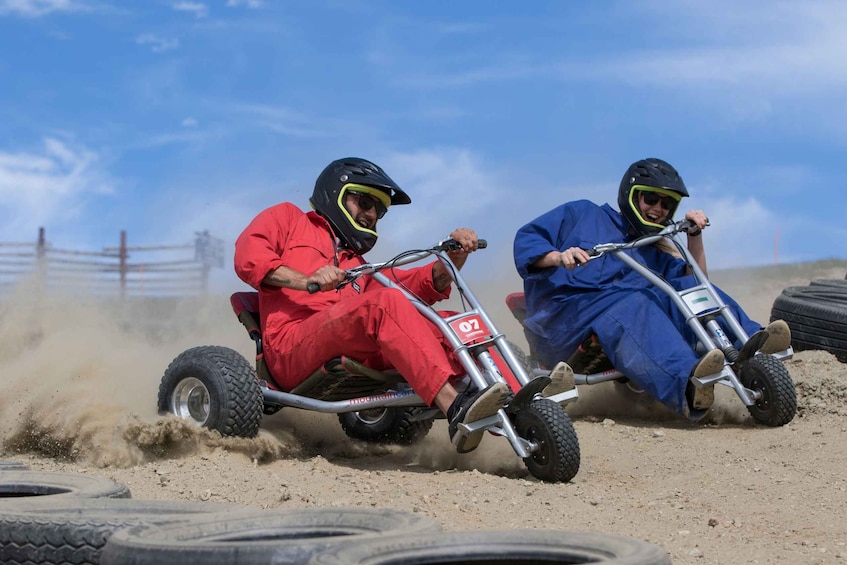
(283, 250)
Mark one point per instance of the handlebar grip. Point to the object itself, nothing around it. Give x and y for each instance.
(313, 287)
(453, 245)
(591, 253)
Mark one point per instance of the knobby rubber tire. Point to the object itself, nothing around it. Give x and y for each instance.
(817, 316)
(497, 547)
(235, 395)
(526, 360)
(386, 425)
(778, 404)
(291, 536)
(40, 487)
(75, 531)
(546, 423)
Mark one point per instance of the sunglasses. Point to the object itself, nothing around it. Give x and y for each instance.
(366, 202)
(652, 198)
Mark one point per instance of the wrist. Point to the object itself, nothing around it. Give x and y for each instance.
(695, 233)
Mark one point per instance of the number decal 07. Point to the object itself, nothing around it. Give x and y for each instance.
(470, 328)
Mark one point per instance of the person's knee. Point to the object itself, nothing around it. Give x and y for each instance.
(391, 301)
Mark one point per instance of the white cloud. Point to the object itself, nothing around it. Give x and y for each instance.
(36, 8)
(248, 3)
(283, 120)
(199, 9)
(450, 188)
(157, 44)
(47, 187)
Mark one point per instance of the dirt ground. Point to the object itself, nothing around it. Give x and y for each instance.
(78, 394)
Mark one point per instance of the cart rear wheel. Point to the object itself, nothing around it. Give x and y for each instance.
(546, 424)
(213, 387)
(385, 425)
(766, 375)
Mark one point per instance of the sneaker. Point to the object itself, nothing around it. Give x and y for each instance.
(470, 407)
(701, 398)
(709, 364)
(561, 380)
(779, 337)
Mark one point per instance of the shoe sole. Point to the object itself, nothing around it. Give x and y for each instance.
(703, 397)
(711, 363)
(561, 380)
(486, 405)
(779, 337)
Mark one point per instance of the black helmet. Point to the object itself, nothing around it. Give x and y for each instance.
(358, 175)
(652, 175)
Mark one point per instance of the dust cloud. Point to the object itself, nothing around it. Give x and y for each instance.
(81, 376)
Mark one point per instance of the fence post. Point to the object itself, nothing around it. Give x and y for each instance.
(41, 258)
(122, 255)
(42, 243)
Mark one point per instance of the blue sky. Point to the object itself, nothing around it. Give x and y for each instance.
(164, 117)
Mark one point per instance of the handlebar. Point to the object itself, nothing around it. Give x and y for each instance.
(671, 230)
(445, 245)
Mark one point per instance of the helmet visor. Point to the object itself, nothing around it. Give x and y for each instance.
(668, 199)
(369, 197)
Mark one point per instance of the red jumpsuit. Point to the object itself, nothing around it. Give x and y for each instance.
(364, 320)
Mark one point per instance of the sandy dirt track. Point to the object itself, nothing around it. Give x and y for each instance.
(78, 395)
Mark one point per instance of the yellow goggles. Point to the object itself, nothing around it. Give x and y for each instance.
(369, 197)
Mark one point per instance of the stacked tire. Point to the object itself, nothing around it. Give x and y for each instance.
(816, 314)
(51, 518)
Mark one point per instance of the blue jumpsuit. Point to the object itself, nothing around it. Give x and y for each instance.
(639, 328)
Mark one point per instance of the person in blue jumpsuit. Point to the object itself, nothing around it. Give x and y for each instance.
(637, 325)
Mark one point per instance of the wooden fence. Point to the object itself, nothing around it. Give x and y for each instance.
(122, 271)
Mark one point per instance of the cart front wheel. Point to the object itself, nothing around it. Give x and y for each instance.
(546, 424)
(777, 403)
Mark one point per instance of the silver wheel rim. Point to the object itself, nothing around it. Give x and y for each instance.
(191, 401)
(372, 416)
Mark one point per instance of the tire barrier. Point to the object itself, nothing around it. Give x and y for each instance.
(30, 486)
(293, 536)
(13, 466)
(75, 531)
(492, 547)
(817, 316)
(50, 518)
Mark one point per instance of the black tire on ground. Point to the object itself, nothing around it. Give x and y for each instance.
(13, 466)
(507, 547)
(837, 283)
(76, 531)
(767, 375)
(546, 424)
(825, 290)
(17, 487)
(213, 387)
(385, 425)
(291, 536)
(817, 316)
